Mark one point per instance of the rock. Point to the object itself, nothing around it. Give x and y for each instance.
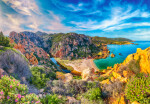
(116, 75)
(112, 55)
(86, 74)
(68, 77)
(142, 57)
(125, 73)
(65, 77)
(112, 79)
(105, 81)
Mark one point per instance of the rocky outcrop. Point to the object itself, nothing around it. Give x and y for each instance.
(72, 45)
(87, 74)
(142, 59)
(15, 64)
(133, 64)
(31, 45)
(112, 55)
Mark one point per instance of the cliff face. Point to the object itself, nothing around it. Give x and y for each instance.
(72, 45)
(142, 57)
(30, 45)
(65, 46)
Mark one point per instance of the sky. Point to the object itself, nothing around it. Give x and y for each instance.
(104, 18)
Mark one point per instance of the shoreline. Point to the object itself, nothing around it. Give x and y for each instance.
(94, 65)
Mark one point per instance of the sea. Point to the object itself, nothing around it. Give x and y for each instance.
(124, 50)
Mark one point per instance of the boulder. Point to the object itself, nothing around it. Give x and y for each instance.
(112, 55)
(86, 74)
(68, 77)
(105, 81)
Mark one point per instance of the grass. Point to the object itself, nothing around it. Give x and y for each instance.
(63, 64)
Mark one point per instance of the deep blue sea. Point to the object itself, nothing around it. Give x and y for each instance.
(125, 50)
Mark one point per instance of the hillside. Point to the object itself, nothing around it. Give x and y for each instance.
(104, 40)
(65, 46)
(31, 46)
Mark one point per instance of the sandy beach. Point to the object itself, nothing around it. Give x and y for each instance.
(82, 64)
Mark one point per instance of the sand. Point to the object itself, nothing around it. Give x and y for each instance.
(82, 64)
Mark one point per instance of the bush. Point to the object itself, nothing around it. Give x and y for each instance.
(40, 76)
(134, 66)
(4, 41)
(72, 88)
(92, 96)
(52, 99)
(113, 89)
(138, 89)
(11, 92)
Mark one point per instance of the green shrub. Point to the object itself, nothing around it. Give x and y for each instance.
(11, 92)
(4, 41)
(52, 99)
(77, 77)
(93, 94)
(134, 66)
(138, 89)
(40, 76)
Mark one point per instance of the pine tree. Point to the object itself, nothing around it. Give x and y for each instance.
(4, 41)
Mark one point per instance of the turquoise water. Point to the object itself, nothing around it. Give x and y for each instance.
(125, 50)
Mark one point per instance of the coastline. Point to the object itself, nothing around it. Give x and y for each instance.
(94, 65)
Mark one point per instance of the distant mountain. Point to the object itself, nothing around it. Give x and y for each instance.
(121, 39)
(97, 40)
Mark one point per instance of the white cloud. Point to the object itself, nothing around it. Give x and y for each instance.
(29, 16)
(56, 25)
(25, 7)
(145, 14)
(116, 21)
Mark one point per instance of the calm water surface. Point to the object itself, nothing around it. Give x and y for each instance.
(125, 50)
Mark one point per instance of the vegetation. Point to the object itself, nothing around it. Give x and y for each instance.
(4, 41)
(97, 40)
(138, 89)
(41, 76)
(134, 66)
(93, 94)
(72, 88)
(63, 63)
(52, 99)
(11, 92)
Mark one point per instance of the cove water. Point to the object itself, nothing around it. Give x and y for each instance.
(125, 50)
(64, 70)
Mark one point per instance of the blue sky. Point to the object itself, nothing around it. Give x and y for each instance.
(105, 18)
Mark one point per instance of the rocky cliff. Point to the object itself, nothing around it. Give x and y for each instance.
(31, 45)
(72, 45)
(64, 46)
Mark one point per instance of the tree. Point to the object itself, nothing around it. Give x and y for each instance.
(4, 41)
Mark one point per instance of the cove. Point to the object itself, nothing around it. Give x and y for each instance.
(125, 50)
(64, 70)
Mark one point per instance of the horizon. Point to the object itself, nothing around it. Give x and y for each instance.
(104, 18)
